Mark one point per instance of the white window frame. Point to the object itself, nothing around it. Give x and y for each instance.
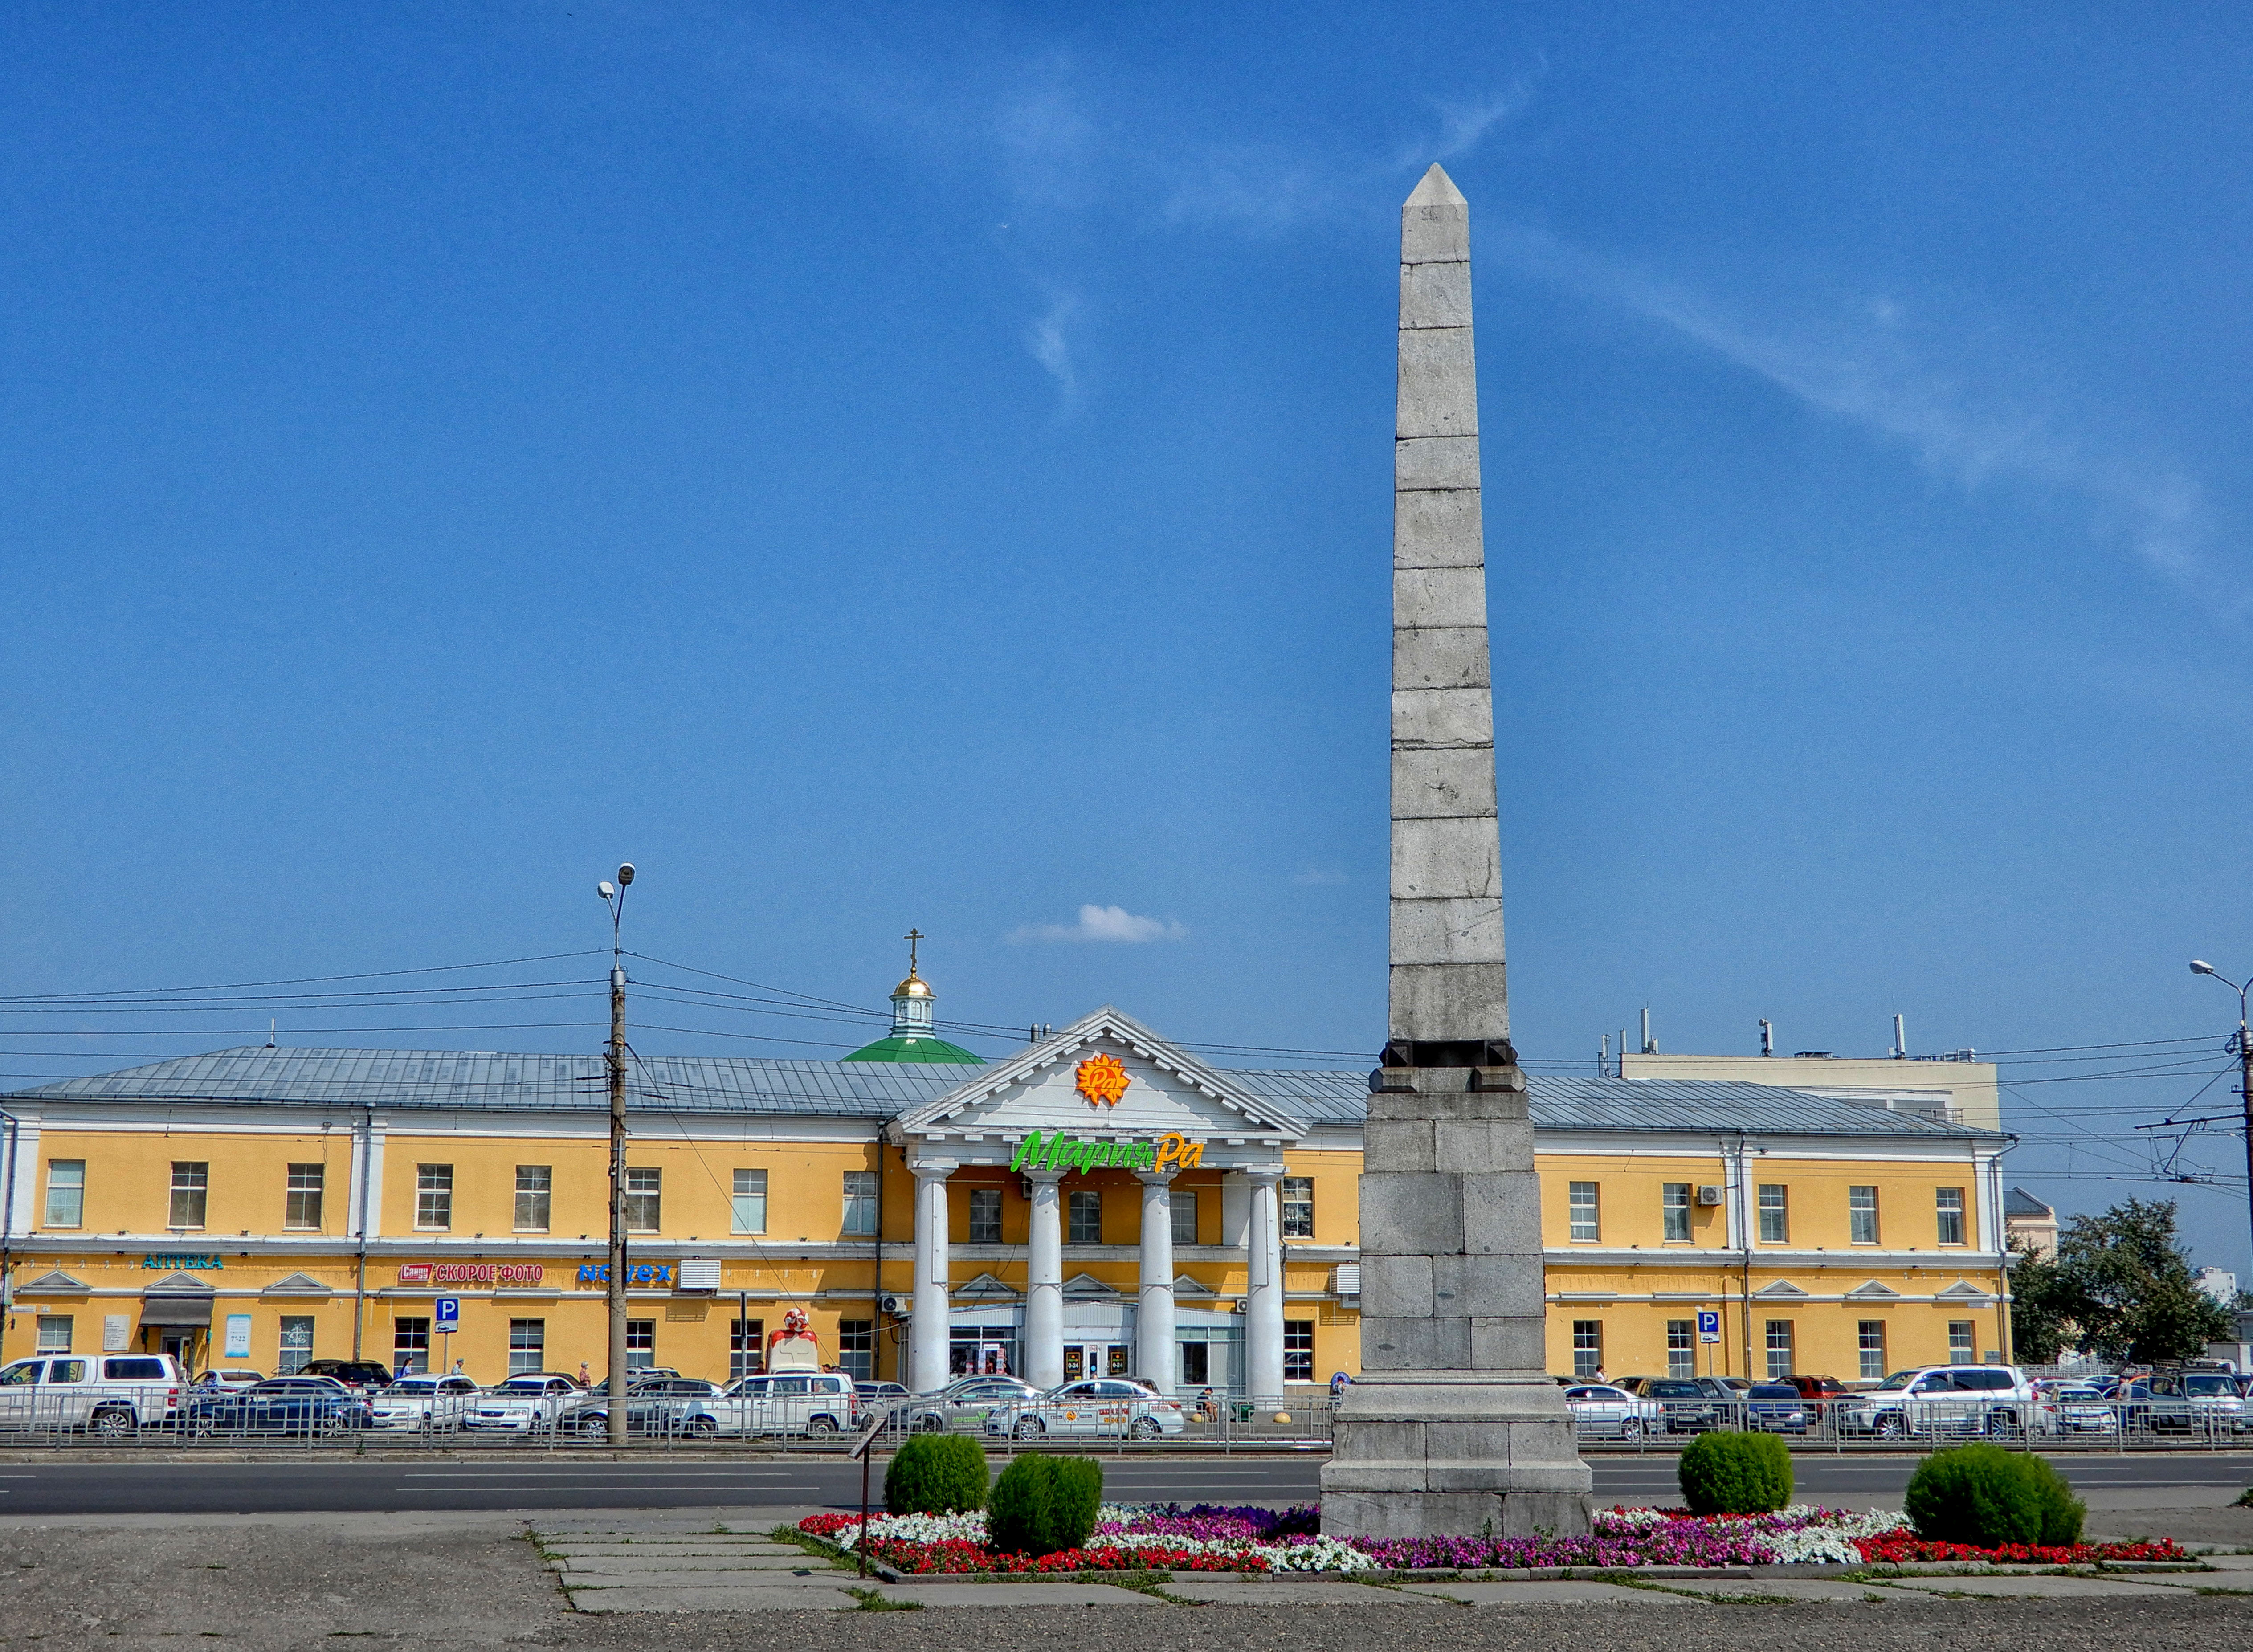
(534, 1207)
(1587, 1348)
(527, 1347)
(641, 1344)
(1296, 1198)
(1963, 1342)
(1870, 1349)
(1776, 1231)
(861, 1215)
(645, 1199)
(1948, 1215)
(54, 1334)
(297, 1184)
(1780, 1338)
(1674, 1211)
(984, 1216)
(290, 1357)
(433, 1197)
(747, 1202)
(1181, 1210)
(190, 1183)
(1584, 1211)
(1088, 1203)
(65, 1198)
(1681, 1348)
(1298, 1351)
(1861, 1216)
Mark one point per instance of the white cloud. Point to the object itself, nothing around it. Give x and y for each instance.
(1319, 877)
(1105, 923)
(1045, 339)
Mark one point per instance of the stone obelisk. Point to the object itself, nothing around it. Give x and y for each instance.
(1453, 1426)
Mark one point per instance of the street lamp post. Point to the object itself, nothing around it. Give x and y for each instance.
(2200, 967)
(615, 898)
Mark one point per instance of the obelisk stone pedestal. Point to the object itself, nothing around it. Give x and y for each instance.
(1454, 1426)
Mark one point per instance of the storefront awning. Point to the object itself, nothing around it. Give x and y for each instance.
(176, 1310)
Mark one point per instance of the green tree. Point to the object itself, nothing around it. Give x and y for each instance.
(2120, 1287)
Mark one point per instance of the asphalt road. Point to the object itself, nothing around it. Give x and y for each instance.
(147, 1487)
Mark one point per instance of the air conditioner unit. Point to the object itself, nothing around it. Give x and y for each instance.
(1708, 1193)
(697, 1273)
(1345, 1279)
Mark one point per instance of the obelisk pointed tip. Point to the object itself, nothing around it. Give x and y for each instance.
(1436, 189)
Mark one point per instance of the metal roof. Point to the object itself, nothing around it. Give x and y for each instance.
(2019, 1202)
(474, 1080)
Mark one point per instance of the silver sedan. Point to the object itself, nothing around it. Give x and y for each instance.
(1602, 1412)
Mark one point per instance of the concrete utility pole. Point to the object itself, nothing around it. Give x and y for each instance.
(616, 1294)
(2199, 966)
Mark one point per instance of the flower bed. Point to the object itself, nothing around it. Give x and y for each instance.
(1209, 1538)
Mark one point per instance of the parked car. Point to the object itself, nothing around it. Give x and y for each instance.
(360, 1376)
(882, 1394)
(2192, 1402)
(658, 1405)
(427, 1404)
(962, 1403)
(1777, 1407)
(280, 1404)
(1109, 1406)
(112, 1394)
(528, 1402)
(236, 1379)
(2073, 1408)
(1934, 1400)
(1820, 1393)
(1683, 1405)
(1602, 1411)
(791, 1403)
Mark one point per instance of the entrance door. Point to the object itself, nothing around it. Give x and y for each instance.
(181, 1345)
(1094, 1359)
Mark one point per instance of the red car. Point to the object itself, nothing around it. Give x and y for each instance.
(1819, 1392)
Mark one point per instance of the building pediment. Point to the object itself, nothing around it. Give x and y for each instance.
(1963, 1290)
(297, 1285)
(1781, 1288)
(1872, 1292)
(985, 1288)
(1085, 1287)
(1106, 1076)
(179, 1284)
(56, 1283)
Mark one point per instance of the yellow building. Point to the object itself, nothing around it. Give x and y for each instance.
(1101, 1200)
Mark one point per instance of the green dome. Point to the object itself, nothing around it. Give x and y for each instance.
(914, 1047)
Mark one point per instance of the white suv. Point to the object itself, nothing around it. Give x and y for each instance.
(790, 1403)
(112, 1394)
(1942, 1399)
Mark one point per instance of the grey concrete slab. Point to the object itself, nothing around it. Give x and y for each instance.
(684, 1565)
(1503, 1594)
(2033, 1585)
(1222, 1590)
(1825, 1589)
(718, 1598)
(1003, 1597)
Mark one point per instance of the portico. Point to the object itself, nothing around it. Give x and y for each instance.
(1102, 1109)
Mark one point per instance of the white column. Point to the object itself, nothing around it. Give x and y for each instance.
(929, 1331)
(1156, 1353)
(1262, 1301)
(23, 1171)
(1044, 1284)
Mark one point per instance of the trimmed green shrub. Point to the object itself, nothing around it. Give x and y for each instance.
(1042, 1504)
(1985, 1495)
(935, 1474)
(1731, 1473)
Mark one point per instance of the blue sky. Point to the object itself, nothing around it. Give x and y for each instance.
(934, 468)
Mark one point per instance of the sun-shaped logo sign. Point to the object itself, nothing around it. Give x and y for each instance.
(1102, 1079)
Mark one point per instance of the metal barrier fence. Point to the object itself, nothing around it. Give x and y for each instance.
(174, 1420)
(1871, 1420)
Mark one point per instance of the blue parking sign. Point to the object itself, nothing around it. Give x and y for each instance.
(1709, 1325)
(446, 1313)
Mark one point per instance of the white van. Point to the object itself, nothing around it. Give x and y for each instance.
(112, 1394)
(790, 1403)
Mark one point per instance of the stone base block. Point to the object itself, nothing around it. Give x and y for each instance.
(1441, 1514)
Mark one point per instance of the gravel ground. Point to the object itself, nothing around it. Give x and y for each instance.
(462, 1582)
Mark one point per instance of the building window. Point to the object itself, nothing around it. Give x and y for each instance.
(1581, 1198)
(1587, 1348)
(1779, 1349)
(1774, 1214)
(1681, 1348)
(65, 1192)
(1872, 1342)
(297, 1349)
(749, 1213)
(433, 1197)
(54, 1334)
(1084, 1215)
(861, 1202)
(1949, 1204)
(1184, 1204)
(856, 1348)
(1298, 1207)
(641, 1344)
(644, 1193)
(410, 1346)
(535, 1185)
(527, 1346)
(1298, 1351)
(1862, 1215)
(1961, 1347)
(985, 1215)
(189, 1184)
(1674, 1205)
(301, 1203)
(746, 1347)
